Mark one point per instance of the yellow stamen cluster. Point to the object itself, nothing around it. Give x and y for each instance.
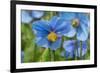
(75, 22)
(52, 37)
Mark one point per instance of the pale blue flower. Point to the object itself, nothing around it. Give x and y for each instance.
(28, 16)
(37, 14)
(74, 48)
(79, 21)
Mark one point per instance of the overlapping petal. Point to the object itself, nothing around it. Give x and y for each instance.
(41, 28)
(56, 44)
(71, 46)
(37, 14)
(84, 48)
(67, 15)
(53, 22)
(71, 32)
(84, 18)
(62, 27)
(42, 42)
(82, 30)
(25, 17)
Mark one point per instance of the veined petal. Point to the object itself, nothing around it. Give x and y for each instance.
(78, 49)
(53, 22)
(84, 48)
(68, 54)
(67, 15)
(72, 31)
(41, 26)
(37, 14)
(82, 32)
(25, 17)
(41, 33)
(62, 27)
(69, 46)
(42, 42)
(84, 18)
(55, 45)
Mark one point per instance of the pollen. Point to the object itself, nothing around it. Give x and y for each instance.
(75, 22)
(52, 37)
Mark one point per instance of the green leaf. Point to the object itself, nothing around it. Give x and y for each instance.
(26, 36)
(58, 56)
(45, 56)
(48, 15)
(27, 43)
(29, 54)
(87, 56)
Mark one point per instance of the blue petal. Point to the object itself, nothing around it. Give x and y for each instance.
(78, 49)
(65, 54)
(41, 33)
(72, 31)
(67, 15)
(41, 25)
(55, 45)
(63, 27)
(82, 32)
(37, 14)
(42, 42)
(84, 48)
(84, 18)
(41, 28)
(69, 45)
(25, 17)
(53, 22)
(70, 54)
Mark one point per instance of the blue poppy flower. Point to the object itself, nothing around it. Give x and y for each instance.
(79, 21)
(37, 14)
(48, 34)
(71, 46)
(27, 16)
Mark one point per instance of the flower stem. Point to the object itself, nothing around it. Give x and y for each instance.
(49, 53)
(80, 49)
(51, 14)
(76, 50)
(52, 55)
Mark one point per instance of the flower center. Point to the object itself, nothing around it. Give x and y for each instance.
(75, 22)
(52, 37)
